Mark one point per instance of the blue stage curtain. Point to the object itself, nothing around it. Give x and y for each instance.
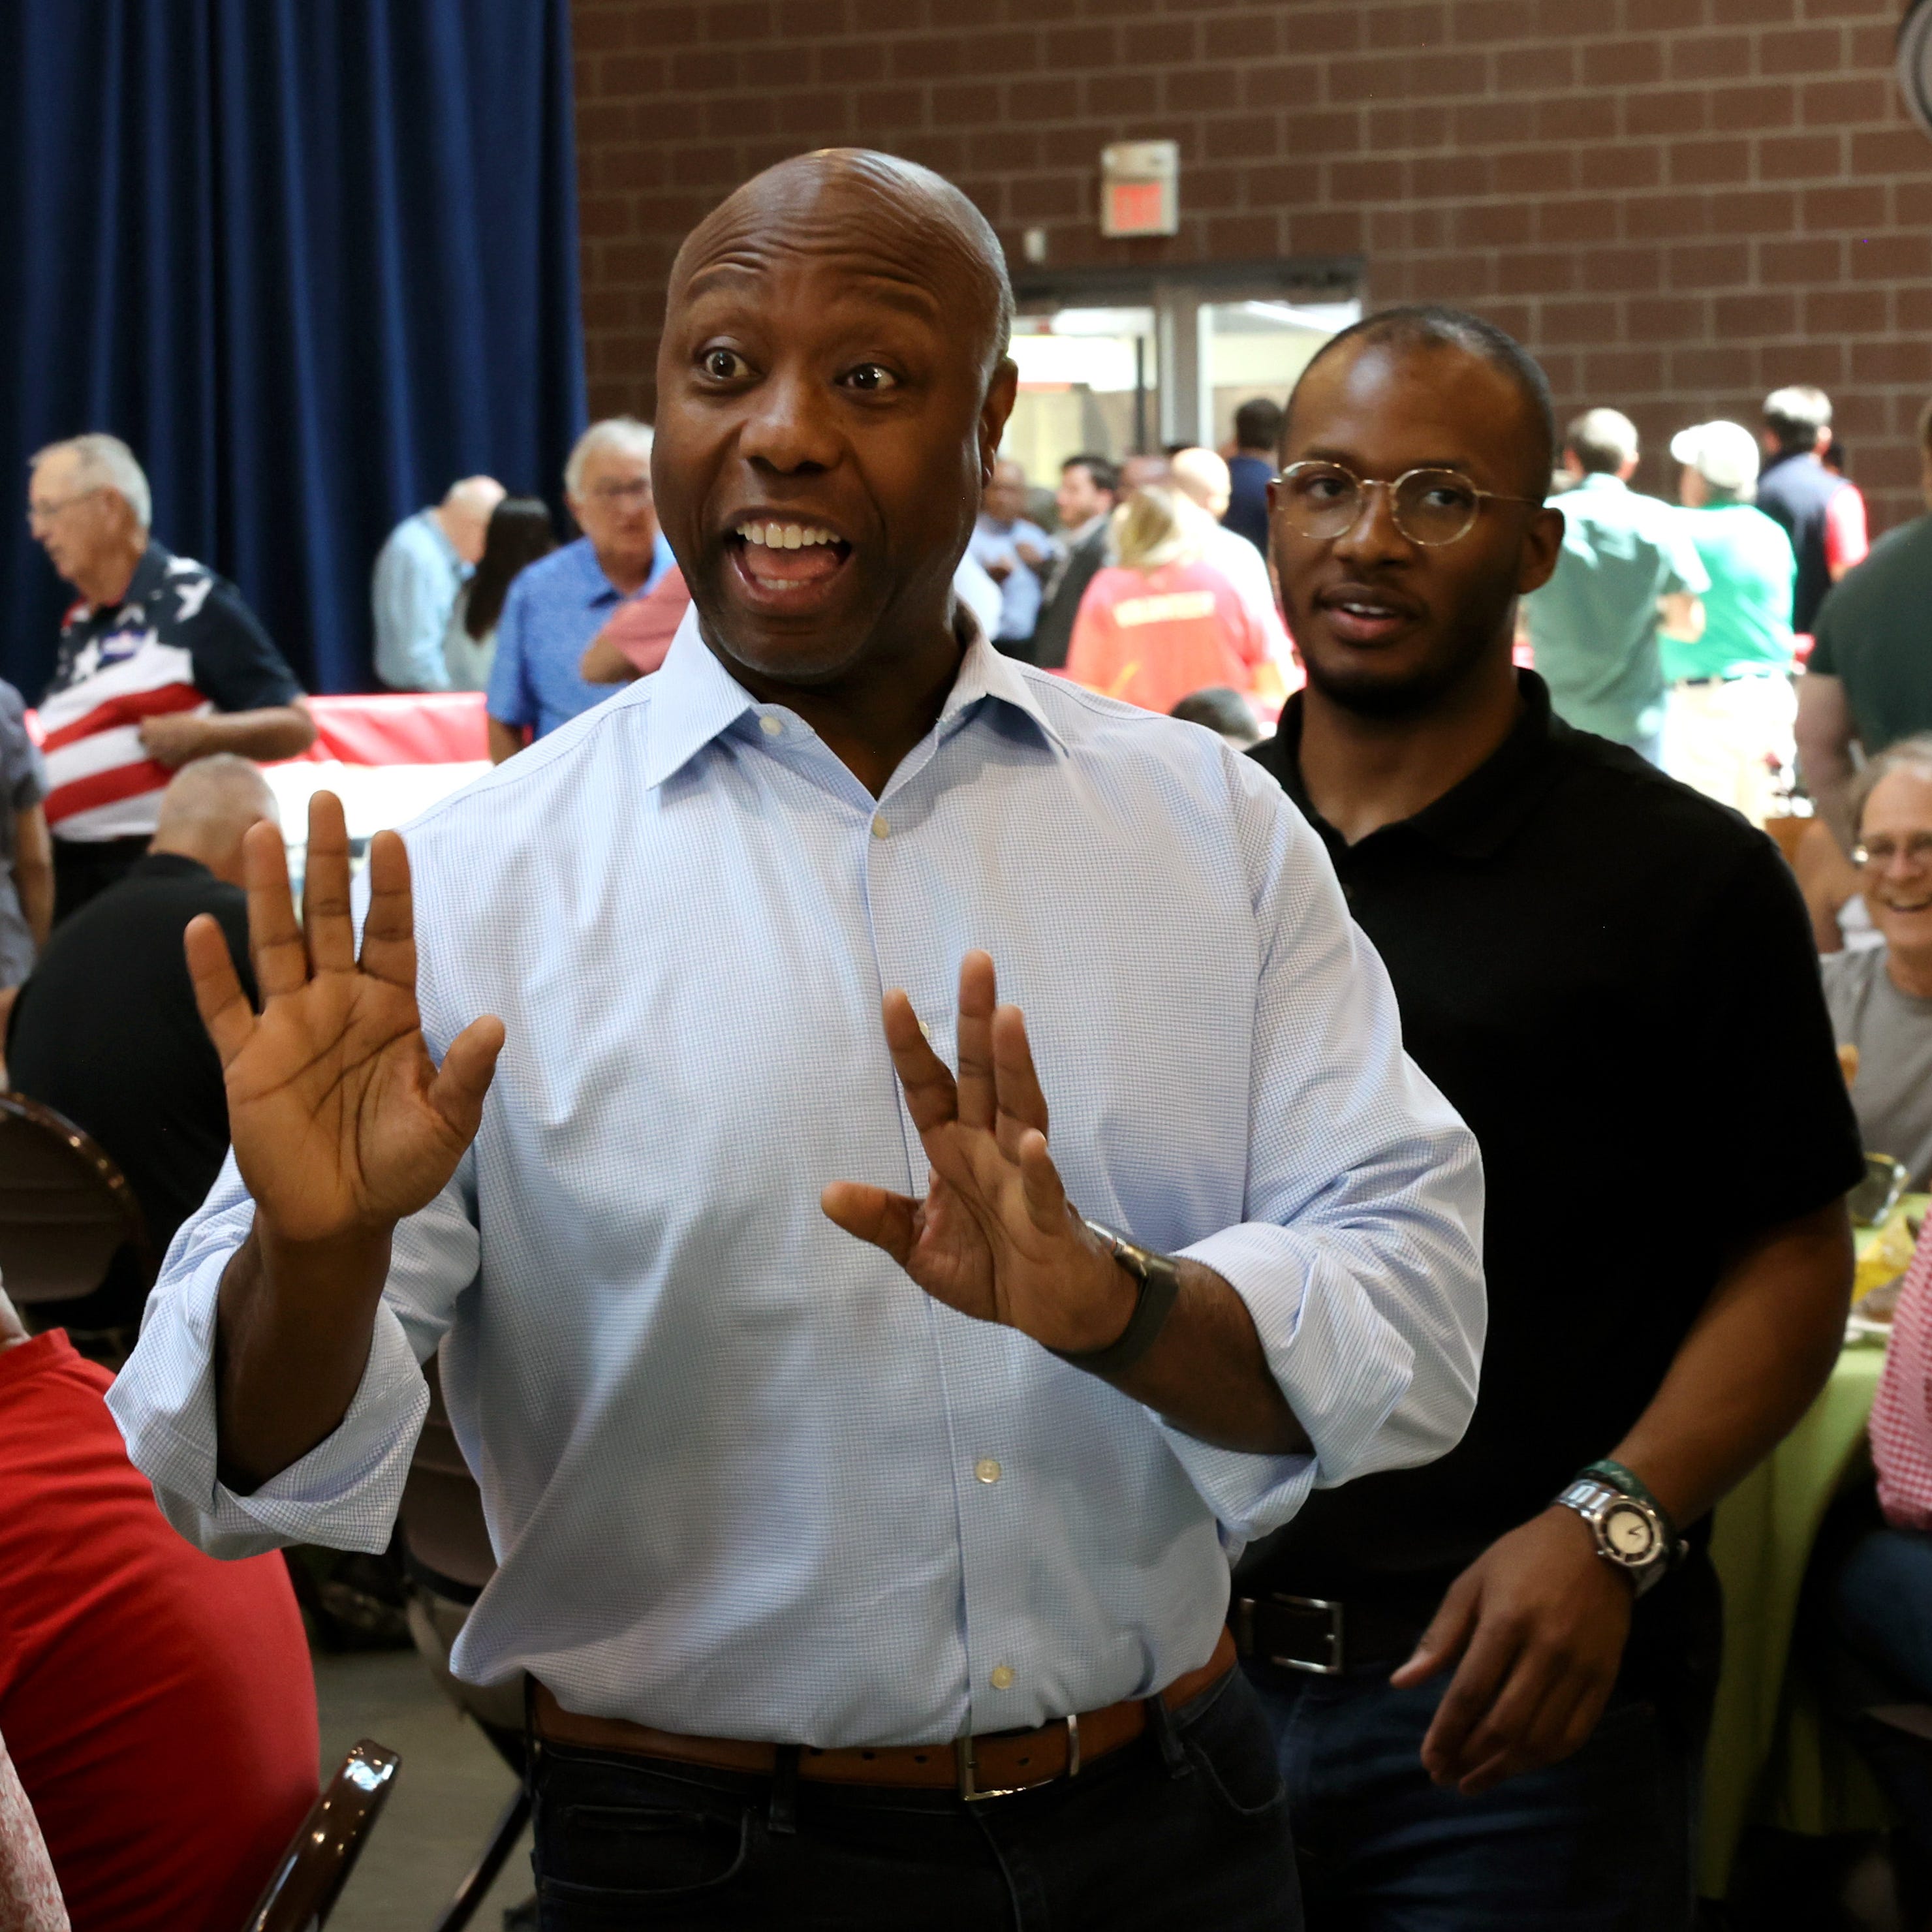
(313, 259)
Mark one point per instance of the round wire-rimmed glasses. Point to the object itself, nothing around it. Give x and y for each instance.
(1430, 507)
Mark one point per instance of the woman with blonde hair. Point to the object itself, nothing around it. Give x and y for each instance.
(1161, 623)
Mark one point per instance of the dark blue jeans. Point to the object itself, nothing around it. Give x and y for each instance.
(1187, 1829)
(1603, 1842)
(1878, 1611)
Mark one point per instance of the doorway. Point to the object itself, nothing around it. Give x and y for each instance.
(1112, 364)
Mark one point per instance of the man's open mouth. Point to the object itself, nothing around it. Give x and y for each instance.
(785, 562)
(1363, 617)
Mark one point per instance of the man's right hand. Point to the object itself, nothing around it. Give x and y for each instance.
(342, 1124)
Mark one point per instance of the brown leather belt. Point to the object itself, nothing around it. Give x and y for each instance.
(991, 1766)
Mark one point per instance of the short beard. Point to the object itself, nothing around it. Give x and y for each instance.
(1387, 701)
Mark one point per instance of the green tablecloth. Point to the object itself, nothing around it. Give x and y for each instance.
(1772, 1761)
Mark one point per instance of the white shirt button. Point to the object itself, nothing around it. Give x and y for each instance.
(772, 727)
(879, 828)
(1003, 1677)
(987, 1469)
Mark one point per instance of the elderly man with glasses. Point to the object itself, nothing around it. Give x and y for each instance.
(1611, 977)
(160, 662)
(556, 606)
(1880, 998)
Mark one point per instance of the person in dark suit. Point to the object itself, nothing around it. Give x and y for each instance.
(105, 1030)
(1090, 486)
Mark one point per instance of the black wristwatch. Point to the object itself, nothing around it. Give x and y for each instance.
(1160, 1285)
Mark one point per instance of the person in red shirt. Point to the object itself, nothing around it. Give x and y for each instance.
(158, 1705)
(1162, 623)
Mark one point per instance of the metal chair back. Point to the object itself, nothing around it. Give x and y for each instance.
(317, 1865)
(67, 1213)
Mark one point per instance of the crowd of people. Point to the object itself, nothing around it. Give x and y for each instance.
(914, 1157)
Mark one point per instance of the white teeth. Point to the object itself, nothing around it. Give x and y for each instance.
(785, 536)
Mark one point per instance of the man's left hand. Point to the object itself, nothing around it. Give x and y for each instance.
(173, 738)
(1539, 1621)
(995, 1237)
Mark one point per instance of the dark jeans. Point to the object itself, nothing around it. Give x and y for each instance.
(1187, 1827)
(84, 867)
(1877, 1601)
(1603, 1842)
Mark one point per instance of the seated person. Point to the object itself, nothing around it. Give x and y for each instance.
(26, 858)
(1880, 996)
(105, 1031)
(157, 1704)
(1876, 1578)
(421, 572)
(30, 1899)
(1161, 622)
(159, 662)
(519, 532)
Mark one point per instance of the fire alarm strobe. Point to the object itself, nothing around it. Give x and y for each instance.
(1140, 188)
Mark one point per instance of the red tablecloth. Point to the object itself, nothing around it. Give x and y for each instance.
(423, 727)
(426, 728)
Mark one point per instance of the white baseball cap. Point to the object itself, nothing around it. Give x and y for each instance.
(1724, 454)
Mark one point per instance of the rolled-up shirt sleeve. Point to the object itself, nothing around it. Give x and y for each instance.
(1360, 1257)
(344, 1493)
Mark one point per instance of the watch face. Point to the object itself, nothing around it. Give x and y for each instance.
(1629, 1532)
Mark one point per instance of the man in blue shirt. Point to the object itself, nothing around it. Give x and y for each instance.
(557, 605)
(863, 1509)
(1251, 469)
(427, 560)
(1015, 553)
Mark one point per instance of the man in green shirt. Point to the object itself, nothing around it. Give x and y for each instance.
(1869, 676)
(1728, 723)
(1626, 562)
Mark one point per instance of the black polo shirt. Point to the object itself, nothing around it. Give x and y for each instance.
(107, 1032)
(1612, 980)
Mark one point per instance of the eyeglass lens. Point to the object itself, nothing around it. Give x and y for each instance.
(1882, 851)
(1431, 506)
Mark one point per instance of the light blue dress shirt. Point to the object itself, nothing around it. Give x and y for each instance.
(1020, 594)
(418, 575)
(744, 1477)
(555, 606)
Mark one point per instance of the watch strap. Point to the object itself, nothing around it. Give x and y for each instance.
(1618, 1476)
(1159, 1288)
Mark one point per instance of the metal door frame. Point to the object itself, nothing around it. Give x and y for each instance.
(1176, 295)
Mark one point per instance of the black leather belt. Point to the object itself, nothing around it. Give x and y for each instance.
(1320, 1635)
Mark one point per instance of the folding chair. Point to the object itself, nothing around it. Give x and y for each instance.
(317, 1865)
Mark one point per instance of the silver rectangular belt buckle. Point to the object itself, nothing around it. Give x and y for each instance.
(1326, 1608)
(969, 1788)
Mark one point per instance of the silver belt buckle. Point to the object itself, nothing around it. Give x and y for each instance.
(970, 1788)
(1332, 1611)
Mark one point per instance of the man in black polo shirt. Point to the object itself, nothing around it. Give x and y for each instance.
(1612, 979)
(105, 1031)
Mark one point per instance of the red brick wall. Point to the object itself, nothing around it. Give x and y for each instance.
(1679, 204)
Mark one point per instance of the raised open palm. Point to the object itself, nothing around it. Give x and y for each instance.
(995, 1237)
(342, 1123)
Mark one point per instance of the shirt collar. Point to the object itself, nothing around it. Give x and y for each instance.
(694, 699)
(597, 588)
(149, 574)
(1600, 479)
(1473, 819)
